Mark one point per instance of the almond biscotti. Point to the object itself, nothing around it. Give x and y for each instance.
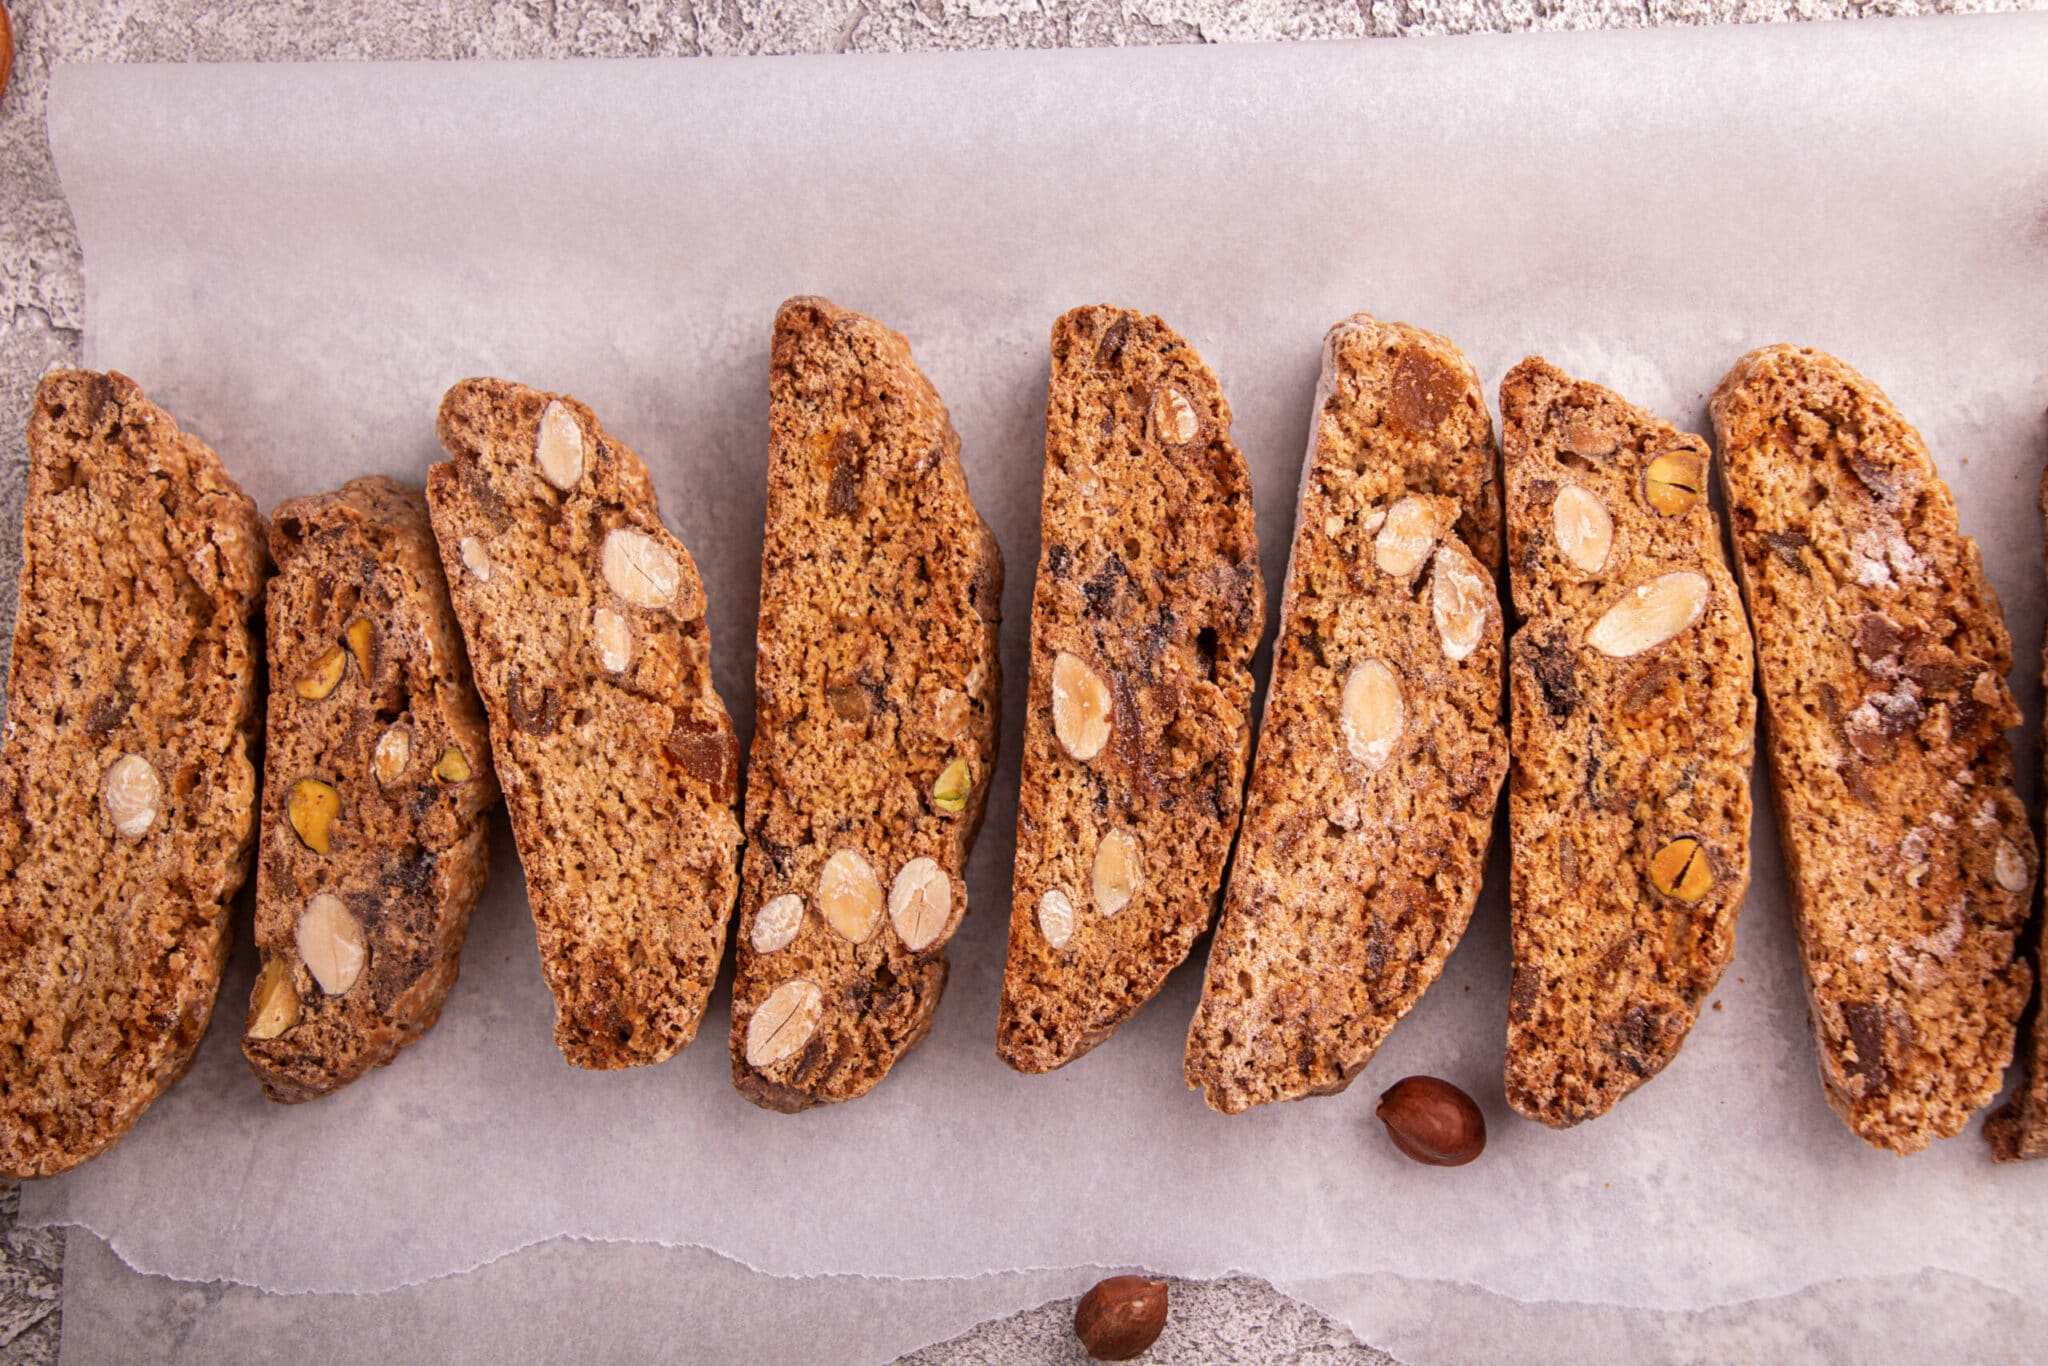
(1883, 655)
(584, 620)
(1634, 726)
(376, 783)
(1147, 608)
(127, 781)
(876, 685)
(1383, 746)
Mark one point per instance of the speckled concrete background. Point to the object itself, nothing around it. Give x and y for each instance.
(41, 304)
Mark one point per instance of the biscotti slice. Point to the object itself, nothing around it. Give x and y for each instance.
(127, 783)
(1883, 655)
(584, 620)
(1383, 746)
(376, 782)
(1146, 611)
(876, 688)
(1633, 725)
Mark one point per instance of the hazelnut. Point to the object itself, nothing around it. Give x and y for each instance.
(614, 640)
(1674, 482)
(1460, 597)
(1649, 614)
(331, 944)
(784, 1022)
(275, 1002)
(849, 895)
(640, 569)
(132, 794)
(1174, 420)
(392, 754)
(1121, 1317)
(558, 446)
(1681, 869)
(777, 922)
(1405, 538)
(920, 903)
(1584, 531)
(1433, 1121)
(1372, 715)
(476, 559)
(1117, 871)
(1080, 707)
(1056, 918)
(311, 808)
(361, 636)
(452, 767)
(955, 782)
(323, 675)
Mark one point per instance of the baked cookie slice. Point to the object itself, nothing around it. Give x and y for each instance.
(1883, 654)
(584, 620)
(127, 788)
(876, 689)
(1146, 611)
(1634, 726)
(376, 783)
(1383, 746)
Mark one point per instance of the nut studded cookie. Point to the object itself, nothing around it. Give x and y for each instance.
(584, 620)
(1634, 726)
(127, 790)
(1382, 750)
(376, 781)
(1883, 654)
(877, 686)
(1146, 611)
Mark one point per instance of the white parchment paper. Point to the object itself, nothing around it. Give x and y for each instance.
(297, 260)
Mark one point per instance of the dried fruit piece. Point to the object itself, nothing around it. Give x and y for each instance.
(1682, 870)
(920, 903)
(1675, 481)
(558, 449)
(331, 944)
(1585, 532)
(614, 640)
(784, 1022)
(1433, 1121)
(1056, 918)
(950, 792)
(1116, 873)
(1080, 707)
(849, 896)
(640, 569)
(1174, 419)
(476, 559)
(1460, 596)
(777, 922)
(1649, 614)
(453, 766)
(362, 643)
(1121, 1317)
(322, 676)
(1373, 716)
(2009, 866)
(1405, 538)
(311, 808)
(393, 753)
(132, 794)
(277, 1000)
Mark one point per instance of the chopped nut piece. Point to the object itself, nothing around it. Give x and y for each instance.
(393, 753)
(1174, 419)
(1117, 871)
(920, 903)
(614, 640)
(323, 676)
(640, 569)
(476, 559)
(777, 922)
(1682, 870)
(1405, 538)
(277, 1001)
(1080, 707)
(453, 766)
(311, 808)
(1585, 533)
(1056, 918)
(1590, 436)
(784, 1022)
(950, 792)
(1460, 597)
(1649, 614)
(362, 643)
(558, 449)
(849, 896)
(2009, 866)
(949, 714)
(131, 794)
(1675, 481)
(331, 943)
(1372, 715)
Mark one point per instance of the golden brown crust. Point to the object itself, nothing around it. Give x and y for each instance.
(135, 645)
(1883, 655)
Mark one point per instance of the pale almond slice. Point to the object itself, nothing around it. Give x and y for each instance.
(1373, 715)
(920, 903)
(1650, 613)
(784, 1022)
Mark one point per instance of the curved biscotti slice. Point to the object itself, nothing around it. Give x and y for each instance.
(1146, 611)
(1383, 747)
(876, 689)
(127, 787)
(585, 624)
(1633, 724)
(1883, 654)
(376, 782)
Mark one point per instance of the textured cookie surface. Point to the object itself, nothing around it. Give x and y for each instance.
(1883, 655)
(584, 620)
(1146, 610)
(1634, 727)
(127, 782)
(877, 686)
(376, 781)
(1383, 747)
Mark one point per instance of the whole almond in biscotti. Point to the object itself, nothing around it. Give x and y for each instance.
(370, 861)
(584, 620)
(127, 781)
(1633, 725)
(1383, 746)
(1146, 610)
(1883, 655)
(876, 685)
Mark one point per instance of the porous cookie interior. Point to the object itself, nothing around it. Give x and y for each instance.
(1884, 656)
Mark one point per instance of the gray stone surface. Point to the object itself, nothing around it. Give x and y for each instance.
(41, 312)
